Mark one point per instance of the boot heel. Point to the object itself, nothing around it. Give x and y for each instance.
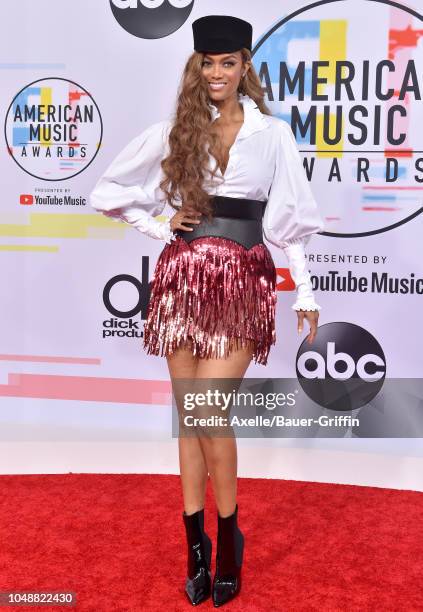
(198, 580)
(207, 550)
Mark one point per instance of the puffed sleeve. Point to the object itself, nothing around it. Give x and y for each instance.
(129, 188)
(291, 215)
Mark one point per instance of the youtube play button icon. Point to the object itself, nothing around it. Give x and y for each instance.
(26, 198)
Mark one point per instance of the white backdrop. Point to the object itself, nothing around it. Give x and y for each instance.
(74, 399)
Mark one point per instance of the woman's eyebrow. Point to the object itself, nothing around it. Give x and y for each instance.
(224, 58)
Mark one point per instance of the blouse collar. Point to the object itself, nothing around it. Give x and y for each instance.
(254, 119)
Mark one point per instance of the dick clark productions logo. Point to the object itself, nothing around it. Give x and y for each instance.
(343, 369)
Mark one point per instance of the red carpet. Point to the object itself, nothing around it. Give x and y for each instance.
(118, 542)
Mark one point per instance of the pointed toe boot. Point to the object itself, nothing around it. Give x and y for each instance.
(229, 556)
(198, 581)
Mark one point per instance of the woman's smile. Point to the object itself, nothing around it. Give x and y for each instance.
(217, 86)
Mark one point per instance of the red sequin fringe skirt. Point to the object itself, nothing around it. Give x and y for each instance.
(214, 292)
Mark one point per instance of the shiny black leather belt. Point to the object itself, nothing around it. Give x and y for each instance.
(239, 219)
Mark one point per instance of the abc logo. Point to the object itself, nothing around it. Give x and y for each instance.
(151, 18)
(344, 369)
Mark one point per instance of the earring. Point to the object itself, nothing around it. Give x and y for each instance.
(241, 84)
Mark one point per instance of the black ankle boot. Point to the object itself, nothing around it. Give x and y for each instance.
(198, 581)
(229, 554)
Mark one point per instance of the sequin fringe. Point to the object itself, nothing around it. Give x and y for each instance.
(214, 292)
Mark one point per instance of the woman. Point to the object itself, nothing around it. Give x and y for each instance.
(231, 171)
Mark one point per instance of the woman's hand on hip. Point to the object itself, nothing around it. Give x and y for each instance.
(184, 216)
(312, 317)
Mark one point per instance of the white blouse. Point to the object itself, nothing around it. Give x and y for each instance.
(264, 164)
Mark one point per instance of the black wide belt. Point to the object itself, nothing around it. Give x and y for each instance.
(239, 219)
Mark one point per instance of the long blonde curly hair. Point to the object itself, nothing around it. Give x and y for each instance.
(186, 165)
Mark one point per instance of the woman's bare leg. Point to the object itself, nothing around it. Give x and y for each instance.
(221, 452)
(193, 469)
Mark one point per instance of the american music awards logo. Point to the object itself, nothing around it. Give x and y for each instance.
(53, 129)
(347, 76)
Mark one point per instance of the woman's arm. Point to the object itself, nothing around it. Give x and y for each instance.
(292, 216)
(129, 188)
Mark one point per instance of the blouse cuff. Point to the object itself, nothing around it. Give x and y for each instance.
(164, 232)
(295, 254)
(147, 224)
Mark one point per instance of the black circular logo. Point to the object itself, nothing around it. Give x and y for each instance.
(343, 369)
(151, 18)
